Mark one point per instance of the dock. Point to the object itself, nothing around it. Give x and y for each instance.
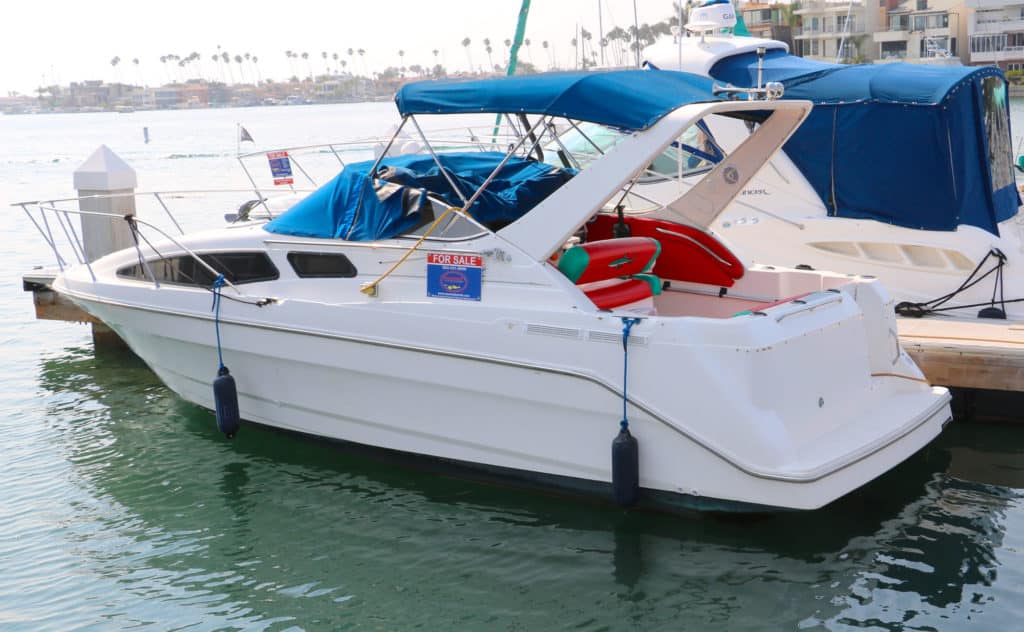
(966, 354)
(51, 305)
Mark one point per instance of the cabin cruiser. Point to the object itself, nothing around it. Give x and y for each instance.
(478, 309)
(902, 171)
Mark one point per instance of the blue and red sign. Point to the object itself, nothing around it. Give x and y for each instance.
(280, 167)
(454, 275)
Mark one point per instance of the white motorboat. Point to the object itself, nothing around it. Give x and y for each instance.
(904, 172)
(439, 305)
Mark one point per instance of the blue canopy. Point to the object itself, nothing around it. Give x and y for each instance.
(917, 146)
(357, 207)
(628, 99)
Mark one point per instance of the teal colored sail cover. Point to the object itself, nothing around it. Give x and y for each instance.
(357, 207)
(925, 147)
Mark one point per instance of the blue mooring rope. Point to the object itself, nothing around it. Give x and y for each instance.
(218, 283)
(627, 324)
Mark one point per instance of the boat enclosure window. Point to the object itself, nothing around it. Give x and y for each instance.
(321, 265)
(237, 267)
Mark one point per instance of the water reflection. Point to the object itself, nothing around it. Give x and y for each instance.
(273, 530)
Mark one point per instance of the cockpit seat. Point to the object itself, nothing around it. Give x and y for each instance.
(614, 272)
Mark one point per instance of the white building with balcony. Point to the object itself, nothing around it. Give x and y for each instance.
(924, 32)
(837, 30)
(996, 31)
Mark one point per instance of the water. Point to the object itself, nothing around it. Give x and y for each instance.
(123, 507)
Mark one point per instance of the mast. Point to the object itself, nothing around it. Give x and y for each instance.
(513, 55)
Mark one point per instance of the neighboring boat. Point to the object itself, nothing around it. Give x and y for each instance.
(439, 305)
(904, 172)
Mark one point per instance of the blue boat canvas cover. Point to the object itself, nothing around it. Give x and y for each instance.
(627, 99)
(357, 207)
(924, 147)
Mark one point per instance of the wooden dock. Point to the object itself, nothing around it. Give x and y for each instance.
(52, 306)
(969, 354)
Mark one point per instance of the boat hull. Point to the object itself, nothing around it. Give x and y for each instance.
(529, 421)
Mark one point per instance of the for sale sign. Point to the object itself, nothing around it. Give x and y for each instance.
(280, 167)
(454, 275)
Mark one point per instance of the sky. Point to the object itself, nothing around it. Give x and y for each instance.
(47, 42)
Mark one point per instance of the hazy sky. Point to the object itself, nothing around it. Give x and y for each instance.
(59, 41)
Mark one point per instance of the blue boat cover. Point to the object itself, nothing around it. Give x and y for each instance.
(918, 146)
(628, 99)
(356, 207)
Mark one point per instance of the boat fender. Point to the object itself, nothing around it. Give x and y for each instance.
(225, 393)
(625, 449)
(625, 468)
(225, 400)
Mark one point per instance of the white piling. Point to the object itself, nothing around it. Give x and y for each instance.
(104, 173)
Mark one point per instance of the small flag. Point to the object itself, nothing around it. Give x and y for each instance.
(244, 135)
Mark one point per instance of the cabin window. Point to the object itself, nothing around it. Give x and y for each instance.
(237, 267)
(321, 265)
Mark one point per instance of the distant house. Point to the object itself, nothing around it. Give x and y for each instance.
(924, 32)
(767, 21)
(996, 32)
(837, 30)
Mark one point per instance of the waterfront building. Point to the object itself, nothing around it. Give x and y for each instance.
(768, 20)
(996, 31)
(923, 31)
(837, 30)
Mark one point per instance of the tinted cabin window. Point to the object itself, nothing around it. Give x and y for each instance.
(321, 265)
(237, 267)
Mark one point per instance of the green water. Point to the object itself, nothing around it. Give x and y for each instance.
(123, 508)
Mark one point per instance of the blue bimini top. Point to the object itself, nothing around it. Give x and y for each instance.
(925, 147)
(627, 99)
(357, 207)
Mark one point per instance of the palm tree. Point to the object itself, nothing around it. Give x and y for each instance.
(256, 67)
(487, 47)
(529, 52)
(138, 72)
(163, 60)
(241, 70)
(469, 56)
(227, 64)
(327, 67)
(362, 52)
(401, 60)
(113, 64)
(305, 57)
(576, 55)
(291, 65)
(335, 58)
(551, 59)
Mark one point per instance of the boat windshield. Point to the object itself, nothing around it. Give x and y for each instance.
(695, 151)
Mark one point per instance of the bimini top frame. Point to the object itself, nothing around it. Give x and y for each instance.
(656, 106)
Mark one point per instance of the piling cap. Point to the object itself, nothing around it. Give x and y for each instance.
(104, 171)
